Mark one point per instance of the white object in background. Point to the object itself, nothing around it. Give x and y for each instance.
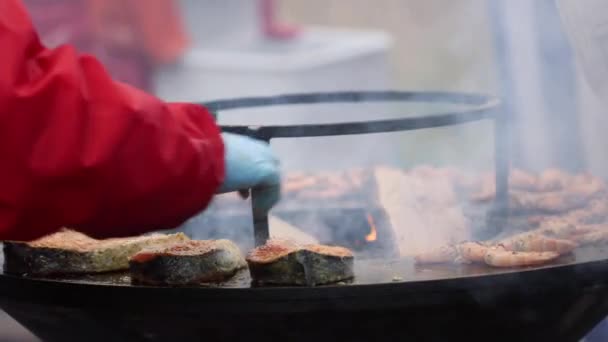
(318, 59)
(217, 23)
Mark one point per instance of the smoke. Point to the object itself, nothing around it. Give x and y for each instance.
(450, 49)
(538, 83)
(514, 49)
(585, 25)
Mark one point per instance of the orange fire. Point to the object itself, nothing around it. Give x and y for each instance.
(373, 233)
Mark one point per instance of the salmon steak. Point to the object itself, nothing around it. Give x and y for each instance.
(282, 262)
(71, 252)
(188, 262)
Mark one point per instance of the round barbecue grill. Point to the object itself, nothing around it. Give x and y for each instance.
(388, 299)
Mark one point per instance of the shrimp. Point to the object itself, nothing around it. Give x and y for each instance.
(562, 230)
(594, 237)
(519, 179)
(464, 252)
(559, 202)
(443, 254)
(553, 180)
(550, 239)
(542, 244)
(596, 211)
(486, 190)
(586, 185)
(472, 251)
(524, 249)
(500, 257)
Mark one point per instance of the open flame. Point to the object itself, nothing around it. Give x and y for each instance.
(373, 233)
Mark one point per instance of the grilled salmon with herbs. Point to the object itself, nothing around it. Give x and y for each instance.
(189, 262)
(71, 252)
(282, 262)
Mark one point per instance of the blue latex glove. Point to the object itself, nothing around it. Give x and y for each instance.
(250, 163)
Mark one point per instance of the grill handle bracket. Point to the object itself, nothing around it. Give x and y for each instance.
(261, 229)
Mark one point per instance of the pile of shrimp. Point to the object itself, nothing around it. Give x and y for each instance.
(536, 247)
(572, 211)
(552, 192)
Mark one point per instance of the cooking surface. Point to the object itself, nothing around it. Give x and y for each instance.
(558, 303)
(367, 271)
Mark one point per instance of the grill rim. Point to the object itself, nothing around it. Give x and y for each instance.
(482, 107)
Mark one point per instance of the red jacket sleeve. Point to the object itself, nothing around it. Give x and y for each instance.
(80, 150)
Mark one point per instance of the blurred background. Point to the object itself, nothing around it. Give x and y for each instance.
(199, 50)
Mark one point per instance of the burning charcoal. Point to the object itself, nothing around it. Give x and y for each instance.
(282, 262)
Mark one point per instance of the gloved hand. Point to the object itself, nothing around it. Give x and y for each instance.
(250, 163)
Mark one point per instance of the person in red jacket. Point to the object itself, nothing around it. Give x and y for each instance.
(82, 150)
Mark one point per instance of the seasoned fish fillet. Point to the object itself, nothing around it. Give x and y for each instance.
(282, 262)
(189, 262)
(68, 252)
